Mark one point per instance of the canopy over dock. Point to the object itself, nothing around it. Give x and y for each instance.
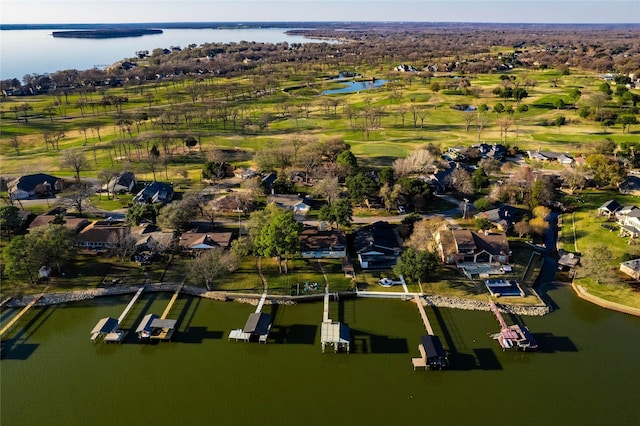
(258, 323)
(107, 328)
(336, 334)
(152, 327)
(432, 354)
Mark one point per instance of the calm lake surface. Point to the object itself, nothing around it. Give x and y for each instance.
(356, 86)
(36, 51)
(586, 373)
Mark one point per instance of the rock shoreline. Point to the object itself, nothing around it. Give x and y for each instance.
(253, 299)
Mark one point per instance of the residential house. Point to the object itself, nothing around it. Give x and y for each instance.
(630, 224)
(404, 68)
(155, 192)
(121, 183)
(464, 245)
(36, 185)
(72, 223)
(622, 212)
(149, 237)
(268, 181)
(298, 177)
(193, 241)
(502, 217)
(241, 173)
(496, 151)
(608, 209)
(102, 235)
(290, 202)
(317, 244)
(630, 185)
(377, 246)
(631, 268)
(550, 156)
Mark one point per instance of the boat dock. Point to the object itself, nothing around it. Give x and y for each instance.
(333, 333)
(20, 314)
(153, 327)
(512, 336)
(109, 328)
(432, 354)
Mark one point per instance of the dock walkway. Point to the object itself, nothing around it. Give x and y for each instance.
(124, 313)
(20, 314)
(423, 314)
(171, 302)
(261, 303)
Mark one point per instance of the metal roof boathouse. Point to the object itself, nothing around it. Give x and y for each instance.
(154, 328)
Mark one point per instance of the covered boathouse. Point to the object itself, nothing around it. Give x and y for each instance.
(432, 354)
(258, 326)
(107, 329)
(154, 328)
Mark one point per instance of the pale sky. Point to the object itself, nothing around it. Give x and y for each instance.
(514, 11)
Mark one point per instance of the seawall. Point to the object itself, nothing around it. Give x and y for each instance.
(250, 298)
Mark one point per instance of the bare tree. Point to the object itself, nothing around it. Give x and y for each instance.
(75, 159)
(76, 195)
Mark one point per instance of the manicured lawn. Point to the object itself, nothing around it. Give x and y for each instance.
(589, 232)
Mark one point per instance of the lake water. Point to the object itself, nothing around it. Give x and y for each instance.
(586, 372)
(355, 86)
(37, 51)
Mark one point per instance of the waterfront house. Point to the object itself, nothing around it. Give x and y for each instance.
(630, 185)
(631, 268)
(322, 244)
(502, 217)
(463, 245)
(609, 208)
(102, 235)
(150, 238)
(377, 246)
(35, 185)
(630, 223)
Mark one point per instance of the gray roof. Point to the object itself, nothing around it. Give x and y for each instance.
(145, 324)
(163, 323)
(257, 323)
(105, 325)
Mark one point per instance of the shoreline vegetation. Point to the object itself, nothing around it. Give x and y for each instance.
(107, 33)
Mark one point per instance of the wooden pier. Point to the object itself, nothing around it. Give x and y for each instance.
(171, 302)
(109, 328)
(124, 313)
(20, 314)
(261, 303)
(423, 314)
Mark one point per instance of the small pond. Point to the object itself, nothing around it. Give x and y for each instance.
(356, 86)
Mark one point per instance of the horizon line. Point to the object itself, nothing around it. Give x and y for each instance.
(3, 25)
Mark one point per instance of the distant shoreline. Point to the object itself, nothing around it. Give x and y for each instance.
(307, 25)
(106, 33)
